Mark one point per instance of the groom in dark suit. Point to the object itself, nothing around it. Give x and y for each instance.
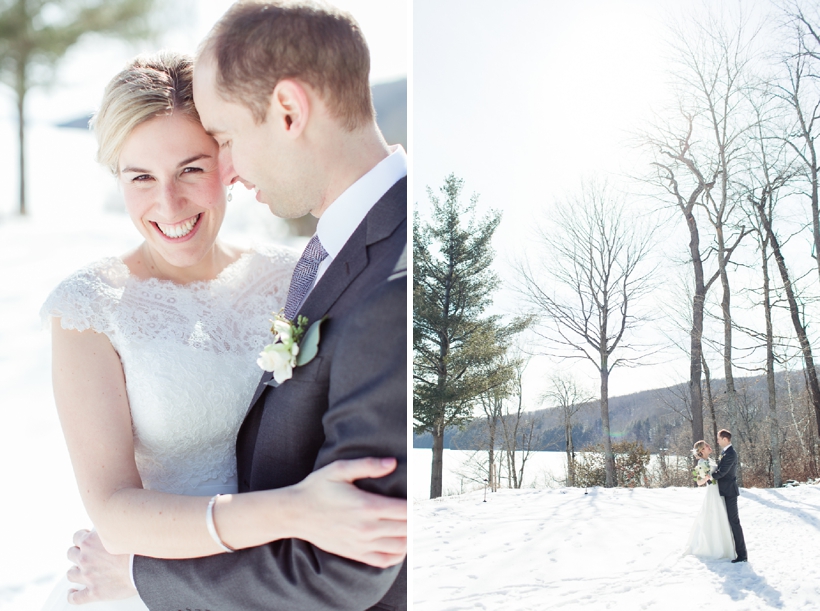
(284, 89)
(726, 476)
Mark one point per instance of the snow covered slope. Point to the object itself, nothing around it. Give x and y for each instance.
(527, 550)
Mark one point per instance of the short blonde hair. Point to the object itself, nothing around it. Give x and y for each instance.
(699, 445)
(258, 43)
(149, 86)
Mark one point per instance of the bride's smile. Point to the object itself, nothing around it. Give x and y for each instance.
(179, 232)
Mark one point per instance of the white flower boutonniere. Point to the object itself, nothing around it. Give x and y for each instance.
(294, 344)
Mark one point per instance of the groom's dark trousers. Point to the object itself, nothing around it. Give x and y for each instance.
(726, 477)
(350, 401)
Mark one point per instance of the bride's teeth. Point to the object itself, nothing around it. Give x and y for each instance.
(180, 230)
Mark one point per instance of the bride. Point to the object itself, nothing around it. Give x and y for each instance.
(711, 535)
(154, 360)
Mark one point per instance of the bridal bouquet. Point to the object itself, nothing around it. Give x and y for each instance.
(703, 470)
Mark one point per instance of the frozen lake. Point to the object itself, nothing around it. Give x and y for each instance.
(462, 472)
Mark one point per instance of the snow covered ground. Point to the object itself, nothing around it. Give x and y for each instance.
(74, 219)
(610, 549)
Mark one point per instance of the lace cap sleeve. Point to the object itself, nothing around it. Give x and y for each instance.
(86, 299)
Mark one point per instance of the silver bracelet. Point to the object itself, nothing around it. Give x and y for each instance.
(209, 521)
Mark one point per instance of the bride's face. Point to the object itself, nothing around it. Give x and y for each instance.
(168, 169)
(706, 451)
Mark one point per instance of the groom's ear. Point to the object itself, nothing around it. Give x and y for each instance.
(290, 106)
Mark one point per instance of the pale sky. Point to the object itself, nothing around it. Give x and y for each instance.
(522, 100)
(87, 68)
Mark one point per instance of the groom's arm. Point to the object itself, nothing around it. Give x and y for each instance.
(366, 417)
(725, 465)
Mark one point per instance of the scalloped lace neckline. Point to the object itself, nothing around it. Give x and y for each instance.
(228, 272)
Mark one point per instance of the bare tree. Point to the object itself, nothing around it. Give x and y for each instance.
(696, 163)
(492, 402)
(569, 397)
(769, 172)
(800, 91)
(521, 430)
(591, 269)
(674, 164)
(761, 204)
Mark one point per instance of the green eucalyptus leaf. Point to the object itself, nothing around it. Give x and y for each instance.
(309, 346)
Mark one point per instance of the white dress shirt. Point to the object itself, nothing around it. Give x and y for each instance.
(347, 211)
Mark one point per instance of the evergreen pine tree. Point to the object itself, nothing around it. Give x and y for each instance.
(455, 347)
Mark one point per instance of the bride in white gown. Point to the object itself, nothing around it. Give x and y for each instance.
(711, 535)
(154, 360)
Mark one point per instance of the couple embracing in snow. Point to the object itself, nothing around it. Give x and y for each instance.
(716, 532)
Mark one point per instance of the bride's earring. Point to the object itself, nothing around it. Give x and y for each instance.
(230, 193)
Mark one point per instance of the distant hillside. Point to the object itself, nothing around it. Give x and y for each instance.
(648, 416)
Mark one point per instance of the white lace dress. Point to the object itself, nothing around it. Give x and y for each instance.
(189, 356)
(711, 535)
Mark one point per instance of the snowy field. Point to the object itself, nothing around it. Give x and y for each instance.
(532, 549)
(74, 219)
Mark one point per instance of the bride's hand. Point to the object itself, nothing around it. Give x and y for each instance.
(344, 520)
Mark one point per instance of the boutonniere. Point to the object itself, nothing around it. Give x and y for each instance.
(294, 344)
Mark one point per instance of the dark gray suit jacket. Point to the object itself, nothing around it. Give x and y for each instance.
(350, 401)
(726, 473)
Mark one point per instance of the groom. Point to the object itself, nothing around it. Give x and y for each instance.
(726, 476)
(284, 89)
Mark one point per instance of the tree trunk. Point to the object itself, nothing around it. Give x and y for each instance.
(774, 425)
(725, 307)
(696, 336)
(710, 400)
(436, 472)
(491, 475)
(808, 361)
(609, 457)
(21, 123)
(570, 455)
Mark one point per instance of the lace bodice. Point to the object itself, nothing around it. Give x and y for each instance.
(188, 353)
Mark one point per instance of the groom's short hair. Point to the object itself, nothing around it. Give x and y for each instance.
(256, 44)
(725, 434)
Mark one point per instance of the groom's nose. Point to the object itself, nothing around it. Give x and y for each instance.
(227, 174)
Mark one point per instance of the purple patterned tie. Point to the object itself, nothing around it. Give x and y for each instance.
(303, 275)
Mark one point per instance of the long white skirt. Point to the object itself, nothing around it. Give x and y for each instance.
(711, 535)
(58, 599)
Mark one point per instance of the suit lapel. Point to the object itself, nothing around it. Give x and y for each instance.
(382, 220)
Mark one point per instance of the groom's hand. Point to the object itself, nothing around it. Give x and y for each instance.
(350, 522)
(105, 576)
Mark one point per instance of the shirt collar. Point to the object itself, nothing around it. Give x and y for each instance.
(347, 211)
